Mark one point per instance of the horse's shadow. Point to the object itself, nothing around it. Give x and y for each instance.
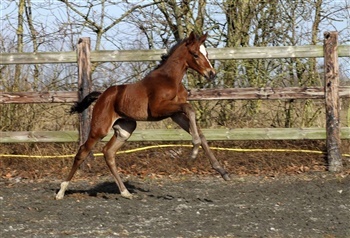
(102, 189)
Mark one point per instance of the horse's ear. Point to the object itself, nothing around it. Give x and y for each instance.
(203, 38)
(191, 38)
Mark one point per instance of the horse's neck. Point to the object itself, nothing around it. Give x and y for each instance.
(175, 67)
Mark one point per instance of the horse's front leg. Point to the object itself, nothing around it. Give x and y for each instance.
(184, 122)
(187, 121)
(213, 161)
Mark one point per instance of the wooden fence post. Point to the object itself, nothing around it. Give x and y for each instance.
(331, 84)
(84, 88)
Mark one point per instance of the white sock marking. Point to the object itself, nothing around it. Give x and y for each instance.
(60, 193)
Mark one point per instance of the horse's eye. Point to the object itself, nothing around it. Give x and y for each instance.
(195, 56)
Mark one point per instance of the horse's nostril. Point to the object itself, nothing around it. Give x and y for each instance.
(212, 75)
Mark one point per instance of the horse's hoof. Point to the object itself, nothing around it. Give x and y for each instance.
(59, 197)
(193, 157)
(127, 195)
(194, 154)
(226, 177)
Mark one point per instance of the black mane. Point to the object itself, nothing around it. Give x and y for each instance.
(165, 57)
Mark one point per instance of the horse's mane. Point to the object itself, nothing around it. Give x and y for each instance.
(164, 57)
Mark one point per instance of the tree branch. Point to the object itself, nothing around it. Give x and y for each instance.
(128, 13)
(85, 17)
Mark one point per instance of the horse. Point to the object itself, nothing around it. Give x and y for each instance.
(161, 94)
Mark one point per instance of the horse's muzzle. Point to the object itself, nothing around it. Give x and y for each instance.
(210, 74)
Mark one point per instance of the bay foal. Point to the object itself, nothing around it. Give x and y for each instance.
(159, 95)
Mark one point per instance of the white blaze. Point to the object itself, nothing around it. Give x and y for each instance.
(204, 53)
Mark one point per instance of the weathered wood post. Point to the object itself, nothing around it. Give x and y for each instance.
(84, 88)
(331, 84)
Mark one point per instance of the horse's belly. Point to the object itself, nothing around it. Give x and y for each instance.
(134, 109)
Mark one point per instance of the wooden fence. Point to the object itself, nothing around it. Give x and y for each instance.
(331, 92)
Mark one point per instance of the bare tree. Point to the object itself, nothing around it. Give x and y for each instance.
(19, 32)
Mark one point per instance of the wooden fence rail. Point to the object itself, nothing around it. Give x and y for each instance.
(194, 94)
(181, 135)
(308, 51)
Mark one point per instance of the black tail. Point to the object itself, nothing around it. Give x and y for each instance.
(79, 107)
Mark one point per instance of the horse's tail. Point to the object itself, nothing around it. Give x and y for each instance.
(79, 107)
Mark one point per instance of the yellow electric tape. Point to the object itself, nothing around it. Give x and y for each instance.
(171, 145)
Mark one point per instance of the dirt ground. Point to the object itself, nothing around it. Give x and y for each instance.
(313, 205)
(270, 195)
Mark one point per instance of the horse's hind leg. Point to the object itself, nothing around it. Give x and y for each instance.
(184, 122)
(123, 130)
(82, 154)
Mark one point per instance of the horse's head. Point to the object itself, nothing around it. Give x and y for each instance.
(198, 56)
